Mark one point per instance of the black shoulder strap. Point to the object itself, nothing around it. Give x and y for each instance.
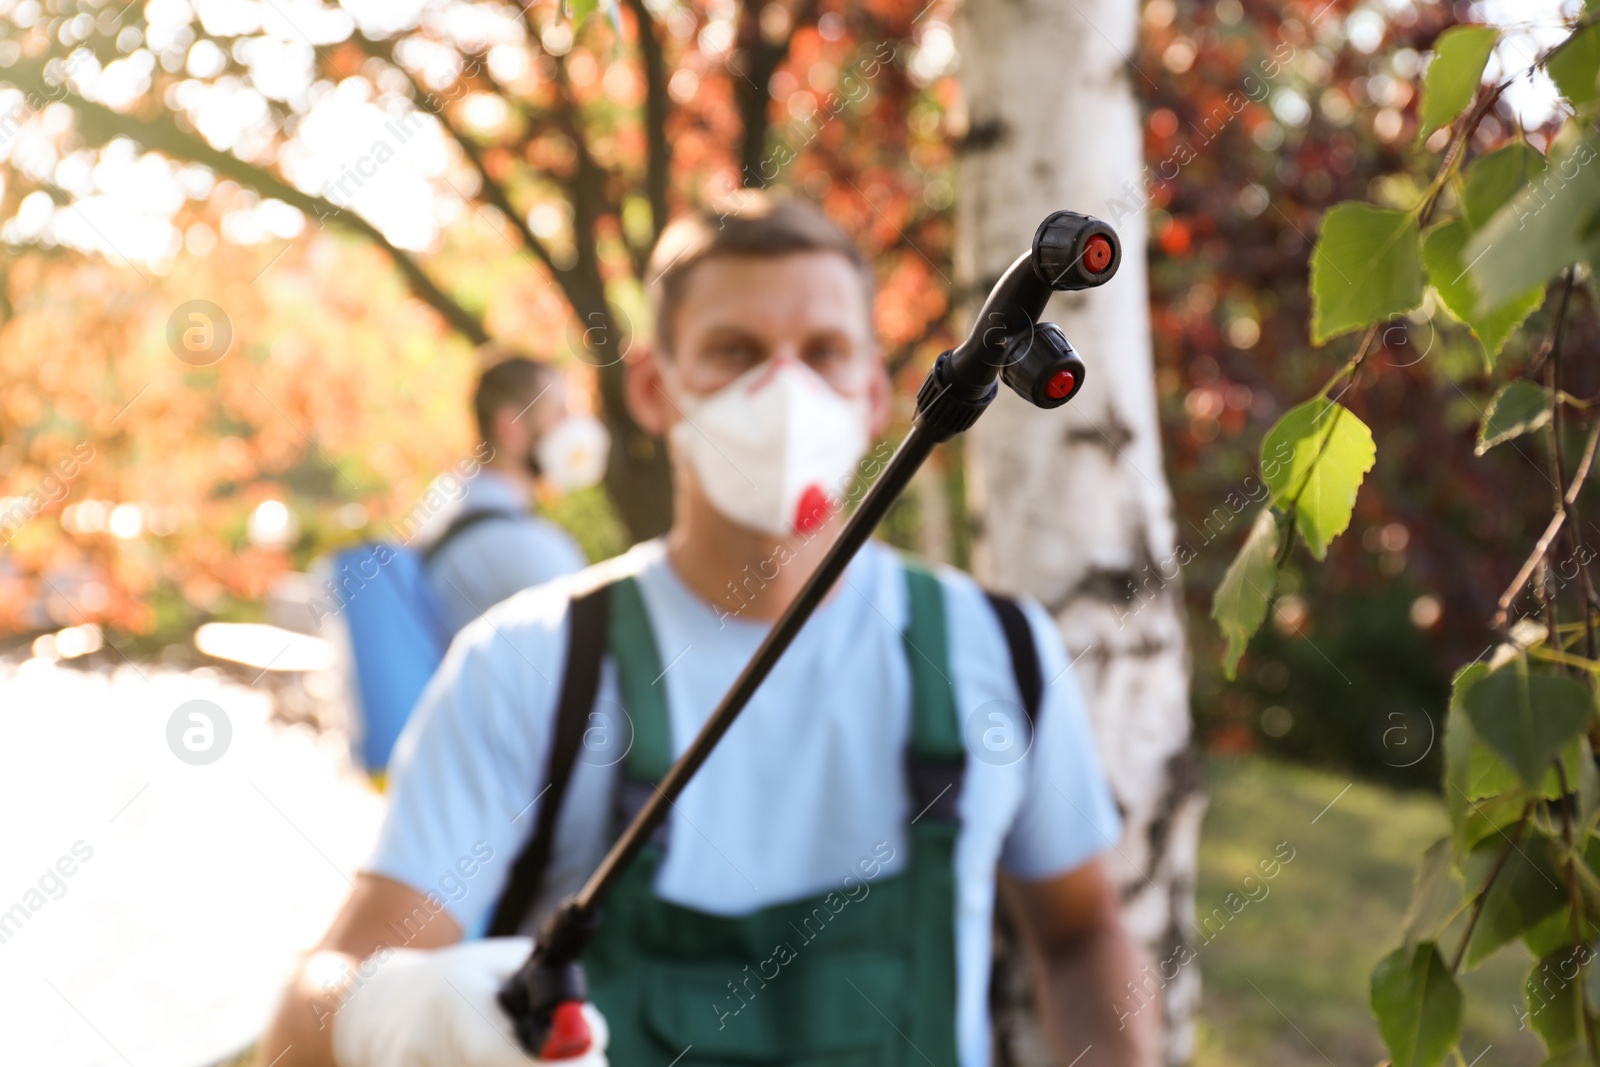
(587, 624)
(1003, 974)
(1024, 654)
(461, 524)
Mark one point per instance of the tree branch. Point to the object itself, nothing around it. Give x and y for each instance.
(494, 193)
(162, 134)
(657, 109)
(638, 478)
(1574, 527)
(1488, 883)
(750, 90)
(1575, 905)
(1550, 531)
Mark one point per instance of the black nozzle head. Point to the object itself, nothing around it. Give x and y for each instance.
(531, 995)
(1072, 251)
(1042, 367)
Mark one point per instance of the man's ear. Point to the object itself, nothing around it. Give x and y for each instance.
(879, 395)
(644, 389)
(511, 434)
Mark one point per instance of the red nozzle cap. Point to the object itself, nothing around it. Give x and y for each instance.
(569, 1033)
(1061, 382)
(1097, 253)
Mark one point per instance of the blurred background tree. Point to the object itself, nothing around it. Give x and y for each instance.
(512, 164)
(500, 216)
(530, 167)
(1352, 670)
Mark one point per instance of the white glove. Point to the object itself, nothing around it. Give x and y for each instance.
(437, 1008)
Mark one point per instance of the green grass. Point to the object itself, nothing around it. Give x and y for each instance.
(1285, 980)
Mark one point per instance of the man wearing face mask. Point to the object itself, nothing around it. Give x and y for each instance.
(823, 891)
(487, 545)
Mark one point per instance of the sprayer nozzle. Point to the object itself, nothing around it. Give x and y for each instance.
(1072, 251)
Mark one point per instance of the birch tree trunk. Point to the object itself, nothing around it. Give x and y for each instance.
(1072, 505)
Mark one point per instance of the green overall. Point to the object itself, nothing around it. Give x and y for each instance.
(851, 978)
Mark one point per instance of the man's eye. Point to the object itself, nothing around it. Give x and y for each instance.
(733, 351)
(822, 353)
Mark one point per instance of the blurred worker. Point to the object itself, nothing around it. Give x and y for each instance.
(487, 544)
(823, 890)
(467, 545)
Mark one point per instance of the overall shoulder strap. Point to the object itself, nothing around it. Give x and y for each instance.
(632, 643)
(936, 759)
(1024, 653)
(935, 734)
(587, 618)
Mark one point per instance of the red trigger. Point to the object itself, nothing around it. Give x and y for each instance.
(569, 1033)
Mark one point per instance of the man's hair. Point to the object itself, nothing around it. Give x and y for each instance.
(751, 223)
(511, 379)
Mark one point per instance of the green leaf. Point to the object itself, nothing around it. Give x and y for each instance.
(1418, 1006)
(1435, 894)
(1491, 818)
(1240, 603)
(1528, 888)
(1519, 407)
(1452, 78)
(1485, 795)
(1538, 232)
(1367, 266)
(1328, 451)
(1447, 273)
(1482, 794)
(580, 10)
(1527, 717)
(1489, 182)
(1549, 933)
(1575, 67)
(1587, 784)
(1460, 778)
(1588, 887)
(1572, 1057)
(1472, 771)
(1553, 993)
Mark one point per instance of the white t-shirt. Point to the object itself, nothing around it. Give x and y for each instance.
(484, 564)
(808, 783)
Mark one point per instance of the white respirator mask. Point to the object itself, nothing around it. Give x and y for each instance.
(572, 454)
(774, 448)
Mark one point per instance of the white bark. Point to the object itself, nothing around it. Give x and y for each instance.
(1073, 504)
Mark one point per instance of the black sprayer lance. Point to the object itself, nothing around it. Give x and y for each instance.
(1007, 341)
